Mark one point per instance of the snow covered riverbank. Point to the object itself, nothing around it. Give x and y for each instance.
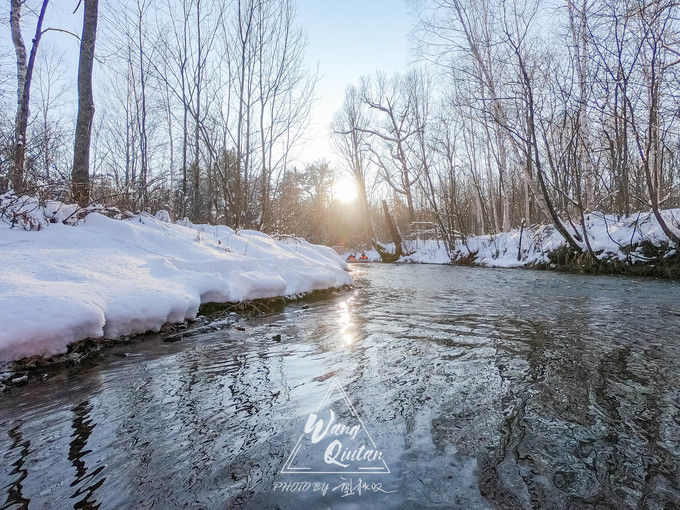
(635, 240)
(109, 278)
(627, 240)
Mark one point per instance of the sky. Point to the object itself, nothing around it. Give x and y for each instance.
(348, 39)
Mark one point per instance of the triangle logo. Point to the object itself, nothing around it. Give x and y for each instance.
(335, 441)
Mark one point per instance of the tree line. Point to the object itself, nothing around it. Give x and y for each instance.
(515, 113)
(199, 104)
(527, 112)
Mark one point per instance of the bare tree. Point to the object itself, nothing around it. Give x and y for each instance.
(350, 135)
(391, 132)
(579, 37)
(24, 78)
(81, 153)
(659, 55)
(50, 97)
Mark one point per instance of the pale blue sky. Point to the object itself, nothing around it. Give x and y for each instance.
(348, 39)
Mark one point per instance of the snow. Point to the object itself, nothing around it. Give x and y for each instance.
(428, 251)
(420, 252)
(610, 237)
(110, 278)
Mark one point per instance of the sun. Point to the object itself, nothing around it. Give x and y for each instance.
(345, 190)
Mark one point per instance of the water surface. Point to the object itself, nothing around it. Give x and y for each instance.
(484, 389)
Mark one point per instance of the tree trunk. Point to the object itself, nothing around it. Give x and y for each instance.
(651, 156)
(143, 138)
(531, 125)
(396, 238)
(364, 207)
(24, 77)
(22, 108)
(81, 152)
(198, 82)
(580, 44)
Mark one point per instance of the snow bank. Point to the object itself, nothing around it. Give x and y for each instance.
(500, 250)
(610, 237)
(420, 251)
(109, 278)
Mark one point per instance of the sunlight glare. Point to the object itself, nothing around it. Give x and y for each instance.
(345, 190)
(345, 323)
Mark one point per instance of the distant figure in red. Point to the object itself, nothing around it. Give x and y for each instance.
(363, 256)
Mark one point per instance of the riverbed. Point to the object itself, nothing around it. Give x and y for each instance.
(482, 388)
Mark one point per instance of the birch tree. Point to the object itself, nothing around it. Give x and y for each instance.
(24, 78)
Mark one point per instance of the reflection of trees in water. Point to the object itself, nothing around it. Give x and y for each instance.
(234, 428)
(86, 483)
(495, 431)
(632, 396)
(15, 495)
(136, 434)
(521, 469)
(582, 425)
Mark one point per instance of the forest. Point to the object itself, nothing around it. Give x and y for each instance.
(512, 114)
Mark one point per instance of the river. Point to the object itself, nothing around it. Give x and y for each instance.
(482, 388)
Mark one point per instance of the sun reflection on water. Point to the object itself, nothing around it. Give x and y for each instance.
(345, 323)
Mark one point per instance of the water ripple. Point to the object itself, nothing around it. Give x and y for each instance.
(485, 388)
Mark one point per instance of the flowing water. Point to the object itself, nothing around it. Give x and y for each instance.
(482, 389)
